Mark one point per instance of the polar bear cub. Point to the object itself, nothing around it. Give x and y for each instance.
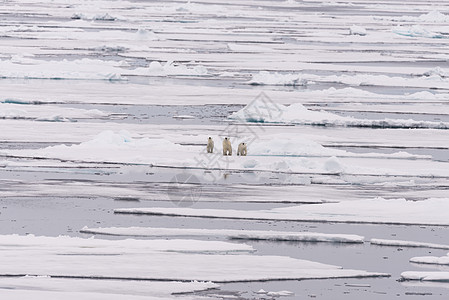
(242, 149)
(227, 148)
(210, 145)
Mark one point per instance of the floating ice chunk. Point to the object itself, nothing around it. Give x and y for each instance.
(437, 71)
(357, 30)
(46, 287)
(88, 69)
(228, 233)
(260, 111)
(267, 78)
(424, 95)
(13, 110)
(155, 66)
(377, 211)
(425, 276)
(183, 117)
(434, 17)
(416, 31)
(432, 260)
(78, 16)
(397, 243)
(124, 64)
(270, 112)
(431, 17)
(274, 294)
(280, 294)
(334, 165)
(164, 260)
(169, 68)
(54, 118)
(104, 17)
(200, 70)
(145, 34)
(106, 48)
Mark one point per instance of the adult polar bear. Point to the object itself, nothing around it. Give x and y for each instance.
(241, 150)
(210, 145)
(227, 147)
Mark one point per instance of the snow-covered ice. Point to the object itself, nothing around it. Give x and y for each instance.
(230, 234)
(431, 260)
(40, 112)
(396, 243)
(263, 112)
(45, 287)
(379, 211)
(355, 130)
(123, 259)
(426, 276)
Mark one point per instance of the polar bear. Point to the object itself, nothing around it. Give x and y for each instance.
(210, 145)
(241, 149)
(227, 148)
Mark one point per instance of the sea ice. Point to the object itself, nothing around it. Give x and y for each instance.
(426, 276)
(416, 31)
(396, 243)
(47, 112)
(45, 287)
(377, 211)
(164, 260)
(357, 30)
(230, 234)
(431, 260)
(267, 78)
(265, 112)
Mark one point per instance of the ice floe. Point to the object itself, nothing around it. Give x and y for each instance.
(431, 260)
(45, 287)
(425, 276)
(416, 31)
(156, 260)
(260, 111)
(398, 243)
(274, 294)
(267, 78)
(47, 112)
(169, 68)
(309, 158)
(230, 234)
(431, 17)
(378, 211)
(88, 69)
(357, 30)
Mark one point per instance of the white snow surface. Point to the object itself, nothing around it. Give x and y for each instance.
(416, 31)
(357, 30)
(89, 69)
(153, 259)
(378, 211)
(398, 243)
(264, 111)
(431, 260)
(43, 112)
(230, 234)
(426, 276)
(267, 78)
(302, 155)
(45, 287)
